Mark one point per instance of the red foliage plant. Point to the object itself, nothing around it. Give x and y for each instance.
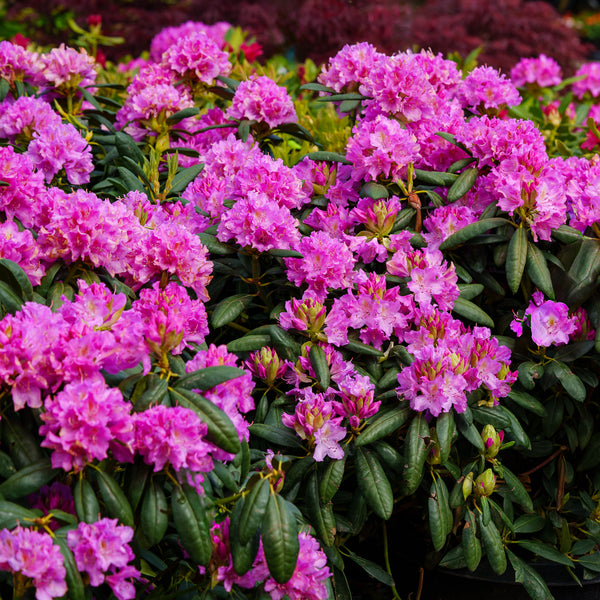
(506, 30)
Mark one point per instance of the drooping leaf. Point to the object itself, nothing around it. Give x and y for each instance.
(374, 483)
(280, 539)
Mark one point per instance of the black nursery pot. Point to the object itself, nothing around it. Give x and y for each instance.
(461, 584)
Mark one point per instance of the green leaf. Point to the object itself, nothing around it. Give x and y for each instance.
(255, 505)
(242, 555)
(213, 245)
(130, 181)
(10, 300)
(373, 483)
(354, 346)
(529, 372)
(440, 515)
(445, 429)
(515, 428)
(209, 377)
(472, 312)
(182, 114)
(591, 455)
(529, 523)
(371, 568)
(221, 431)
(470, 544)
(154, 517)
(440, 178)
(136, 477)
(532, 581)
(328, 157)
(12, 514)
(248, 343)
(12, 273)
(470, 231)
(463, 184)
(230, 309)
(341, 97)
(546, 551)
(155, 390)
(384, 423)
(492, 542)
(282, 436)
(590, 561)
(117, 505)
(28, 480)
(73, 579)
(317, 87)
(321, 515)
(516, 258)
(318, 361)
(566, 234)
(454, 559)
(537, 269)
(569, 381)
(280, 539)
(468, 291)
(87, 506)
(528, 402)
(583, 272)
(127, 146)
(573, 351)
(469, 431)
(285, 253)
(191, 525)
(517, 489)
(184, 177)
(373, 190)
(331, 480)
(417, 443)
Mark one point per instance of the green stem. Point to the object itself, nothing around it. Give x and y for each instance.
(387, 562)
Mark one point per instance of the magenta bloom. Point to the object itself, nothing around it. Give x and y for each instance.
(327, 263)
(485, 88)
(543, 71)
(172, 435)
(315, 422)
(171, 318)
(233, 397)
(18, 64)
(197, 57)
(35, 556)
(590, 84)
(84, 421)
(169, 36)
(357, 399)
(349, 67)
(66, 68)
(21, 247)
(309, 576)
(258, 222)
(60, 146)
(101, 550)
(381, 147)
(25, 116)
(549, 321)
(261, 99)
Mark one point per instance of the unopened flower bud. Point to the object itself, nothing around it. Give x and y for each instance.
(266, 364)
(485, 484)
(492, 440)
(467, 486)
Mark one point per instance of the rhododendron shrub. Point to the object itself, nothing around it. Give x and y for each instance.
(244, 318)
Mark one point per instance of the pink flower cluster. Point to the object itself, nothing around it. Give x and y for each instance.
(261, 99)
(102, 552)
(549, 321)
(306, 583)
(542, 71)
(33, 555)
